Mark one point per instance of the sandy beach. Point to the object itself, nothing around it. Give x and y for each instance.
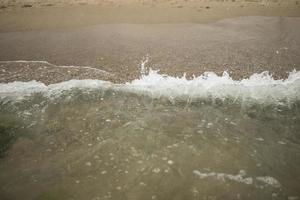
(241, 37)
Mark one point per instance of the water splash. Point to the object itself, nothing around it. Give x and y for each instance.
(144, 71)
(260, 87)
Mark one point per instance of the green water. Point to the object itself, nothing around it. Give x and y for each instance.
(117, 145)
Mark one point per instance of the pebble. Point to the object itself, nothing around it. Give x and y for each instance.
(170, 162)
(260, 139)
(142, 184)
(281, 142)
(119, 188)
(156, 170)
(199, 131)
(293, 198)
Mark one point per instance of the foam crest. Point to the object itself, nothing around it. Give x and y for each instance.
(258, 87)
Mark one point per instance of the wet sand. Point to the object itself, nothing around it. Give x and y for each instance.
(177, 37)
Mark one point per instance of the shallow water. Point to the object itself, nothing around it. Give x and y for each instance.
(158, 137)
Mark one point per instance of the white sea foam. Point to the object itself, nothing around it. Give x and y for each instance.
(19, 89)
(258, 87)
(269, 181)
(261, 87)
(241, 177)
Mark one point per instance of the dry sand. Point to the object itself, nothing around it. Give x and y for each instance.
(240, 36)
(18, 15)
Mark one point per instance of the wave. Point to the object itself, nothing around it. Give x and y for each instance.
(260, 87)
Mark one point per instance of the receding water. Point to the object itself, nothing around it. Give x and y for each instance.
(125, 142)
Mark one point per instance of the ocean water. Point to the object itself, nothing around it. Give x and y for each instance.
(157, 137)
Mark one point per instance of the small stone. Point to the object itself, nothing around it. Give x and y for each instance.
(260, 139)
(156, 170)
(293, 198)
(233, 123)
(170, 162)
(104, 172)
(142, 184)
(119, 188)
(281, 142)
(88, 164)
(274, 194)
